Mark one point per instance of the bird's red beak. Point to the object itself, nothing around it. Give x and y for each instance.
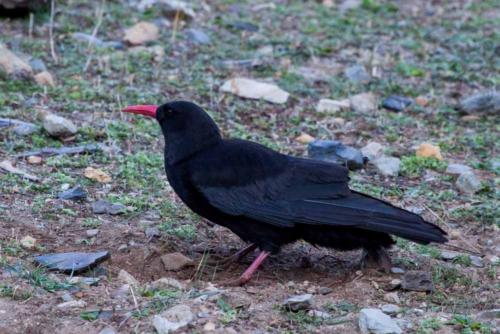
(146, 110)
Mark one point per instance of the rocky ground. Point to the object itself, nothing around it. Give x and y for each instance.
(403, 92)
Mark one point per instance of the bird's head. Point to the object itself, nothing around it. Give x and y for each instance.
(186, 126)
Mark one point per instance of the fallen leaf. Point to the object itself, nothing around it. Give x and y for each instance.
(97, 175)
(427, 150)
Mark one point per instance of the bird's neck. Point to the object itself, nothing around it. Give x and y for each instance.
(182, 147)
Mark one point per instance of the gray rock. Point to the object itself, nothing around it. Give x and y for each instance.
(58, 126)
(176, 261)
(332, 106)
(20, 128)
(417, 281)
(485, 102)
(102, 206)
(173, 319)
(152, 232)
(457, 169)
(127, 278)
(387, 166)
(372, 320)
(372, 150)
(476, 261)
(363, 103)
(325, 290)
(73, 262)
(75, 193)
(468, 183)
(390, 309)
(38, 65)
(167, 283)
(357, 74)
(92, 232)
(71, 304)
(91, 281)
(297, 303)
(396, 103)
(197, 36)
(108, 330)
(392, 297)
(397, 270)
(117, 209)
(449, 255)
(335, 151)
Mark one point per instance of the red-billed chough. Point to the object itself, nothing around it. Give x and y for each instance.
(270, 199)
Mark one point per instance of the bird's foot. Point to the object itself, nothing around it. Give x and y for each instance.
(224, 263)
(376, 259)
(247, 275)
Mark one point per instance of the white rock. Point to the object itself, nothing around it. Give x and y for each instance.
(12, 65)
(363, 103)
(127, 278)
(332, 106)
(28, 242)
(172, 319)
(108, 330)
(141, 33)
(457, 169)
(167, 282)
(58, 126)
(300, 302)
(372, 320)
(468, 183)
(390, 309)
(387, 166)
(72, 304)
(252, 89)
(449, 255)
(92, 232)
(373, 150)
(476, 261)
(392, 297)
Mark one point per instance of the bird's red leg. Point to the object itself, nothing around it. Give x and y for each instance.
(247, 275)
(242, 253)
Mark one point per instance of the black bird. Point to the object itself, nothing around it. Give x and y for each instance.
(271, 199)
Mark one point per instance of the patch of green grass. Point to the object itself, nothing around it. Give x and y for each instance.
(487, 213)
(429, 326)
(90, 315)
(229, 313)
(469, 326)
(414, 166)
(447, 276)
(91, 222)
(14, 292)
(409, 70)
(39, 277)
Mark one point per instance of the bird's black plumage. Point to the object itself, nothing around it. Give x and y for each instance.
(272, 199)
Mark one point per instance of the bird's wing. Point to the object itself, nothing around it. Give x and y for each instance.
(285, 191)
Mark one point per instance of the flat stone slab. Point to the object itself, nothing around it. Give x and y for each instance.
(72, 262)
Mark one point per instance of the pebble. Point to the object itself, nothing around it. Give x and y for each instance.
(173, 319)
(449, 255)
(37, 65)
(417, 281)
(92, 232)
(209, 327)
(427, 150)
(197, 36)
(91, 281)
(252, 89)
(20, 128)
(372, 150)
(45, 79)
(468, 183)
(152, 232)
(332, 106)
(75, 193)
(167, 283)
(363, 103)
(141, 33)
(102, 206)
(357, 74)
(482, 102)
(392, 297)
(390, 309)
(372, 320)
(304, 138)
(336, 152)
(108, 330)
(396, 103)
(397, 270)
(476, 261)
(457, 169)
(297, 303)
(72, 304)
(34, 160)
(395, 283)
(176, 261)
(58, 126)
(72, 262)
(127, 278)
(387, 166)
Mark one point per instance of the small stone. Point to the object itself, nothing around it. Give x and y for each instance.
(92, 232)
(91, 281)
(332, 106)
(319, 314)
(397, 270)
(417, 281)
(28, 242)
(127, 278)
(121, 293)
(476, 261)
(363, 103)
(396, 103)
(336, 152)
(141, 33)
(173, 319)
(392, 297)
(390, 309)
(372, 150)
(457, 169)
(38, 65)
(34, 160)
(108, 330)
(372, 320)
(100, 207)
(251, 89)
(325, 290)
(421, 101)
(494, 260)
(395, 283)
(13, 66)
(387, 166)
(167, 283)
(357, 74)
(297, 303)
(152, 232)
(482, 102)
(75, 193)
(66, 296)
(427, 150)
(72, 304)
(197, 36)
(58, 126)
(72, 262)
(468, 183)
(176, 261)
(97, 174)
(449, 255)
(304, 138)
(209, 327)
(117, 209)
(45, 79)
(24, 129)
